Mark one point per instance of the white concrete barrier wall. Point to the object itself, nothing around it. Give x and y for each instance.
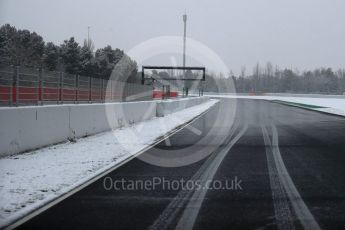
(171, 106)
(27, 128)
(103, 117)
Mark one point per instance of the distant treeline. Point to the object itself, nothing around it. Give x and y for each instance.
(25, 48)
(275, 80)
(269, 79)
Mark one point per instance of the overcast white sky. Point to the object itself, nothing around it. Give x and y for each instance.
(300, 34)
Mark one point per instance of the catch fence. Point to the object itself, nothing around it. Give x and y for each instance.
(24, 86)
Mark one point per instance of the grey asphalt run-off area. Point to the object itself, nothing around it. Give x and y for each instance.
(288, 164)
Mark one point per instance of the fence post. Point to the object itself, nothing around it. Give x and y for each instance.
(57, 87)
(16, 86)
(76, 77)
(10, 94)
(39, 85)
(111, 90)
(126, 91)
(163, 91)
(102, 91)
(13, 85)
(60, 88)
(90, 88)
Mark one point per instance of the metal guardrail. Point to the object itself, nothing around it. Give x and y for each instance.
(23, 86)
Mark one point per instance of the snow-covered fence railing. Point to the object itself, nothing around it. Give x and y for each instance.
(27, 86)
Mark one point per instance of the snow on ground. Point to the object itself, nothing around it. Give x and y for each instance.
(331, 105)
(32, 179)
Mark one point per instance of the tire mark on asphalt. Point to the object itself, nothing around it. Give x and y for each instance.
(175, 207)
(304, 215)
(193, 207)
(299, 207)
(282, 210)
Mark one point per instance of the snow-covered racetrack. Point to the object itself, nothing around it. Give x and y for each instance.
(290, 162)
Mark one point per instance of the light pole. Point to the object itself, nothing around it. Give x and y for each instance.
(184, 52)
(184, 39)
(88, 36)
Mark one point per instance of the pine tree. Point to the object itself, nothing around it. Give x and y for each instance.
(70, 54)
(87, 62)
(51, 56)
(7, 34)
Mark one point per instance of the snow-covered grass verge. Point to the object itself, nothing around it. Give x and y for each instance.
(33, 179)
(328, 105)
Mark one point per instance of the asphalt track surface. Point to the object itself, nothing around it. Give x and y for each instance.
(288, 163)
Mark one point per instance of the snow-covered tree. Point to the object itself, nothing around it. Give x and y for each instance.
(51, 56)
(20, 47)
(87, 62)
(70, 54)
